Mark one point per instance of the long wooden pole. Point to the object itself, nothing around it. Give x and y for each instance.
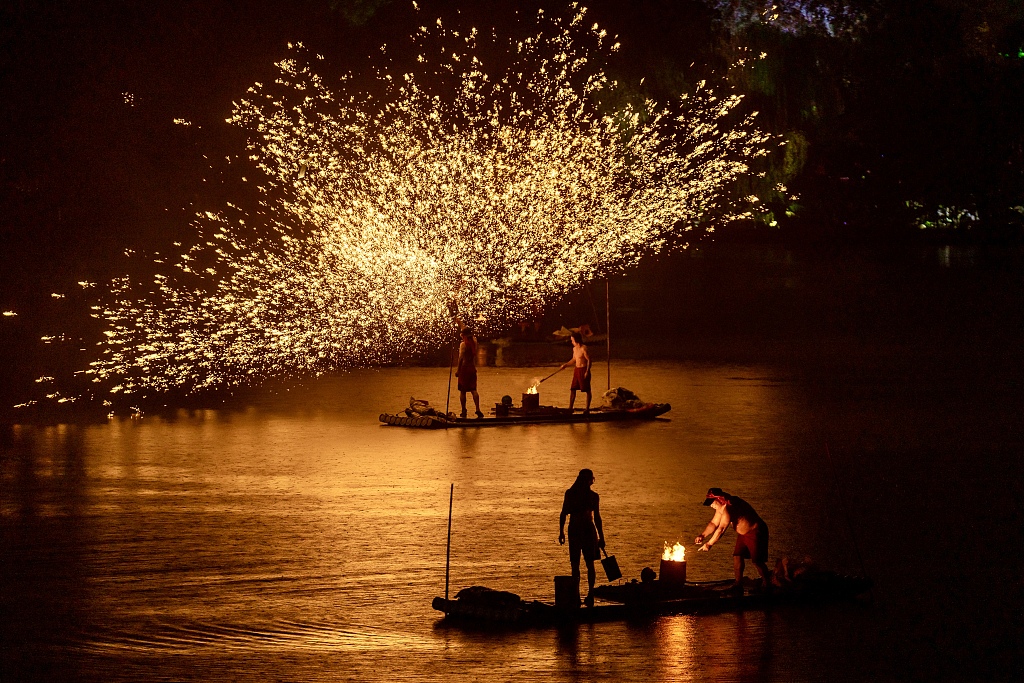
(552, 375)
(608, 330)
(448, 551)
(448, 398)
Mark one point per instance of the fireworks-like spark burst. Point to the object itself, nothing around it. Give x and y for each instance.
(502, 190)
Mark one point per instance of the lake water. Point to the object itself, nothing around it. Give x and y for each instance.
(293, 537)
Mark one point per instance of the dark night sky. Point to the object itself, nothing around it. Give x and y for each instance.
(82, 164)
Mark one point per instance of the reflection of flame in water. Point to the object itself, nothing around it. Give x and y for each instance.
(377, 208)
(674, 553)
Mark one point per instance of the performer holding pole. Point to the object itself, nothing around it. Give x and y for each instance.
(581, 375)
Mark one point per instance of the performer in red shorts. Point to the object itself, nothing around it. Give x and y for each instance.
(581, 375)
(751, 532)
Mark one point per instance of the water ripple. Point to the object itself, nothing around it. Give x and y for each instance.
(197, 637)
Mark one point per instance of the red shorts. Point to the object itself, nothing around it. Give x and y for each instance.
(753, 544)
(467, 381)
(580, 379)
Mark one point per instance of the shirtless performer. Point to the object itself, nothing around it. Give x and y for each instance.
(581, 375)
(751, 533)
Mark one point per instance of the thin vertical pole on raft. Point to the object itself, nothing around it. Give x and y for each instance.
(448, 551)
(448, 398)
(608, 330)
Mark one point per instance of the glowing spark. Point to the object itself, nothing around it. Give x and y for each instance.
(508, 188)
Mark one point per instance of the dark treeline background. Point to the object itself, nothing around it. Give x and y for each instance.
(899, 115)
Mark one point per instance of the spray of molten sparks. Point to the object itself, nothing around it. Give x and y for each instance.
(675, 553)
(507, 187)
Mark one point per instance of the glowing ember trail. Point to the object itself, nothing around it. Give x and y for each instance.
(503, 190)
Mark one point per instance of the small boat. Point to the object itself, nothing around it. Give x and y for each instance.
(485, 607)
(524, 416)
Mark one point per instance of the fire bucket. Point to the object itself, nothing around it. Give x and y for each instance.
(673, 572)
(531, 401)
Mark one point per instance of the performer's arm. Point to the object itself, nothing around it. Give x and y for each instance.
(721, 523)
(561, 520)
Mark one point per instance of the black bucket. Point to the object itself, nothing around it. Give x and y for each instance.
(673, 572)
(611, 566)
(567, 592)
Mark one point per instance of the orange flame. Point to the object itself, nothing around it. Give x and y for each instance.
(532, 390)
(674, 553)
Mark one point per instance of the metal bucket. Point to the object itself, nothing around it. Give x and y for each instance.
(611, 566)
(531, 401)
(672, 572)
(567, 592)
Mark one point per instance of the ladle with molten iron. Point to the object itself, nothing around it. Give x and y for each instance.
(550, 376)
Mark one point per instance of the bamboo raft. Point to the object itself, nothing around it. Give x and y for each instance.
(520, 416)
(633, 601)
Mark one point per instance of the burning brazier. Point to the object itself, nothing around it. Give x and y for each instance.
(531, 399)
(673, 564)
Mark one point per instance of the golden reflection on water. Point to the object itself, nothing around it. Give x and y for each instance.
(675, 651)
(299, 523)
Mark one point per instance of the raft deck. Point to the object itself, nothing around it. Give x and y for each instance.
(694, 599)
(520, 416)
